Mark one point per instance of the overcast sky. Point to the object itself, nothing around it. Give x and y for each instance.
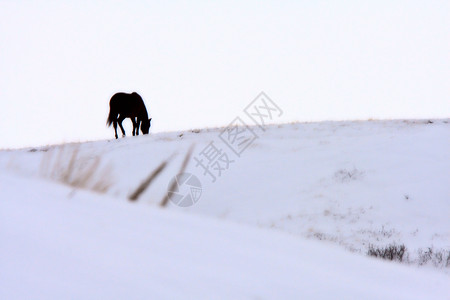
(199, 63)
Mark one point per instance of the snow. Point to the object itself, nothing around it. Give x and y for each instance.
(90, 246)
(277, 224)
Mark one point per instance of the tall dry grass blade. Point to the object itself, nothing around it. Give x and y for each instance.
(146, 183)
(46, 162)
(67, 174)
(165, 200)
(57, 166)
(104, 182)
(67, 166)
(83, 176)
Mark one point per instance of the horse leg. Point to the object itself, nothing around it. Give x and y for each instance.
(138, 123)
(121, 127)
(115, 128)
(134, 125)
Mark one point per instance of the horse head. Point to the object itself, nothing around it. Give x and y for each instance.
(145, 126)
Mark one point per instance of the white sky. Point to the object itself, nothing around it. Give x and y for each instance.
(199, 64)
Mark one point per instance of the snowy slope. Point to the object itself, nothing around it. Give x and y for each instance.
(352, 183)
(60, 244)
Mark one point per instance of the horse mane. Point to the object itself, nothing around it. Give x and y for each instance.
(143, 112)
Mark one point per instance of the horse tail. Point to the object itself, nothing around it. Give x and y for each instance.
(111, 117)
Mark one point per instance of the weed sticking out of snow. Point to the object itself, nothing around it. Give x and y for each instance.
(391, 252)
(439, 258)
(344, 175)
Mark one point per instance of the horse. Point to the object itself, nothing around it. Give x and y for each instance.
(122, 106)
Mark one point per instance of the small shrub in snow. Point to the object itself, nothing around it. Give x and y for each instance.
(438, 257)
(344, 175)
(387, 233)
(390, 252)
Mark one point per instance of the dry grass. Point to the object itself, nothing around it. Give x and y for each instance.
(155, 173)
(148, 181)
(165, 200)
(65, 164)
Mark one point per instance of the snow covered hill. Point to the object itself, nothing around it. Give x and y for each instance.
(277, 221)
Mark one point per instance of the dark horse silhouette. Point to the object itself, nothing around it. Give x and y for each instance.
(122, 106)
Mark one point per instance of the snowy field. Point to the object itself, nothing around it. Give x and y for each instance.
(292, 217)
